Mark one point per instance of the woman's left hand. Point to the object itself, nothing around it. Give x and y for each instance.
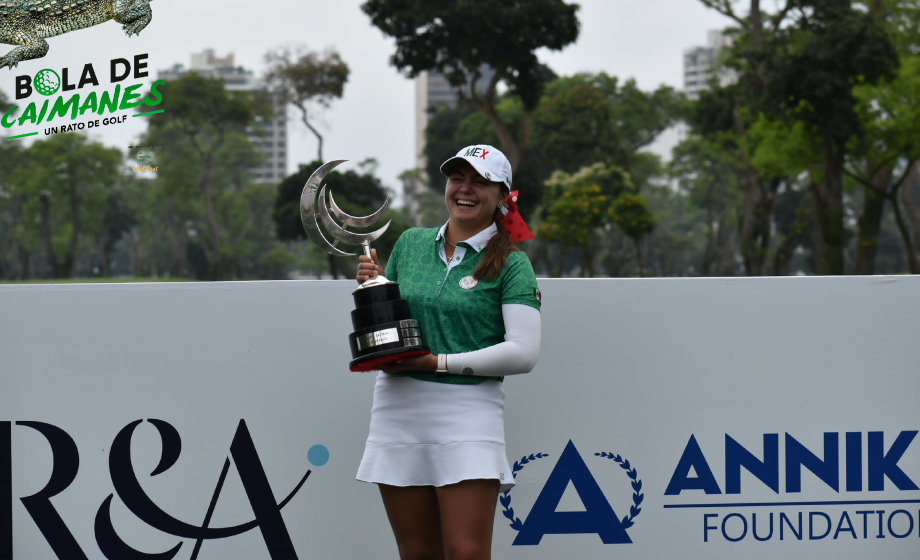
(428, 362)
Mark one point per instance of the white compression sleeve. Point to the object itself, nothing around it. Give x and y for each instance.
(518, 354)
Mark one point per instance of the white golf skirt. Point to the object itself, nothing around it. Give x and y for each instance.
(434, 434)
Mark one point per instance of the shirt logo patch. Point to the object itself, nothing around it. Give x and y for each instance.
(538, 294)
(468, 282)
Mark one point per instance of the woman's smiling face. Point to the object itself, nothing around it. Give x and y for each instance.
(472, 199)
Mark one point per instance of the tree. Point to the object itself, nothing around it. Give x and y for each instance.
(116, 222)
(205, 116)
(244, 205)
(903, 20)
(725, 114)
(14, 260)
(168, 209)
(173, 232)
(631, 214)
(723, 117)
(66, 183)
(573, 219)
(786, 155)
(677, 241)
(830, 47)
(577, 207)
(886, 159)
(708, 174)
(459, 39)
(15, 254)
(574, 128)
(912, 205)
(308, 80)
(800, 64)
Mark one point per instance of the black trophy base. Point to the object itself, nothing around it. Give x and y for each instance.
(385, 343)
(384, 329)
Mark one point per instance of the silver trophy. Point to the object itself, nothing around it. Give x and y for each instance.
(384, 328)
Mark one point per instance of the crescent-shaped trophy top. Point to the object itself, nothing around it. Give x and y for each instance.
(308, 212)
(340, 233)
(357, 221)
(309, 208)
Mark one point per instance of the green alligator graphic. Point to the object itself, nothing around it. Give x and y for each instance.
(28, 23)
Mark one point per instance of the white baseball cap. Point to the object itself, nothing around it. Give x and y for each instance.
(488, 161)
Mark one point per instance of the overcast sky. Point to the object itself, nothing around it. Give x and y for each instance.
(643, 39)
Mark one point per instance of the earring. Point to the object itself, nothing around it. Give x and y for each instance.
(503, 208)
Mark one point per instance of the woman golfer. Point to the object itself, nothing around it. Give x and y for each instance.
(436, 447)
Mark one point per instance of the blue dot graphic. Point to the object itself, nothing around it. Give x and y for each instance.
(318, 455)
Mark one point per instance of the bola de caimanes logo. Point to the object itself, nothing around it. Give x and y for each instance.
(72, 104)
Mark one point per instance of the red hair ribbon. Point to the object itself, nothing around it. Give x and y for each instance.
(513, 222)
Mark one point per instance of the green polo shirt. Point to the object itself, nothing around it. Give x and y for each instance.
(455, 316)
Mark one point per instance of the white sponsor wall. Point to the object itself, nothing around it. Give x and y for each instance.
(635, 368)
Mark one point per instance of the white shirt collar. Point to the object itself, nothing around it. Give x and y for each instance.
(478, 241)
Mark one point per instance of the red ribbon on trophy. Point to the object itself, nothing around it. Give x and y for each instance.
(513, 222)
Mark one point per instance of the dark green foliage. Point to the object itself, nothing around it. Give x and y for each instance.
(118, 220)
(475, 127)
(60, 194)
(62, 207)
(13, 245)
(792, 120)
(528, 179)
(203, 108)
(528, 85)
(198, 264)
(641, 116)
(904, 16)
(456, 38)
(714, 112)
(638, 117)
(831, 48)
(440, 139)
(204, 120)
(575, 128)
(460, 39)
(786, 209)
(707, 175)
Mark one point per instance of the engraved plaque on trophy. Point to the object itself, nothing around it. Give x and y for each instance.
(384, 329)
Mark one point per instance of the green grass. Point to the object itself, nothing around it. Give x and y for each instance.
(93, 280)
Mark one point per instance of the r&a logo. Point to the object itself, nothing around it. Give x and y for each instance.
(66, 463)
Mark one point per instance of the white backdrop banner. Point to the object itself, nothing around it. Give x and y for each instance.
(667, 418)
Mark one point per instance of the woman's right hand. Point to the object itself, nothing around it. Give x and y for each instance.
(368, 268)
